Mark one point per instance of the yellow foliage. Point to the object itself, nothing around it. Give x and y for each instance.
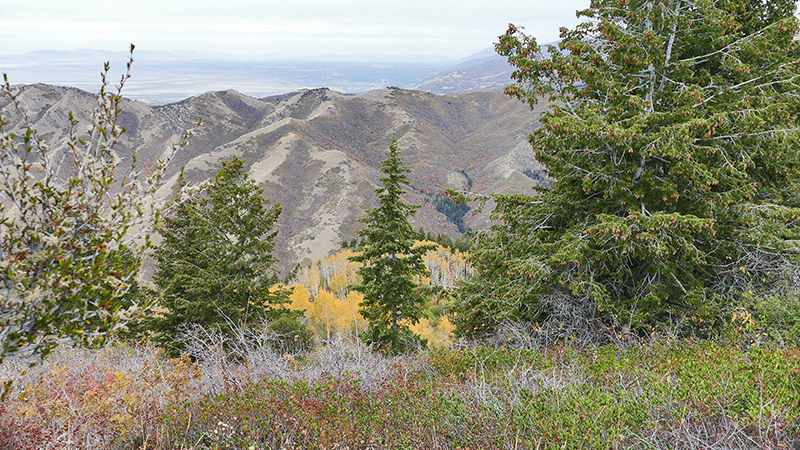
(445, 326)
(338, 284)
(325, 310)
(300, 298)
(337, 316)
(439, 335)
(447, 267)
(334, 309)
(310, 278)
(355, 322)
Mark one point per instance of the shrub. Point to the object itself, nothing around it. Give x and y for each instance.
(73, 228)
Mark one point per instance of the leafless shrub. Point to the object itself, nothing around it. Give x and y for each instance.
(775, 273)
(341, 357)
(246, 354)
(217, 353)
(712, 431)
(580, 333)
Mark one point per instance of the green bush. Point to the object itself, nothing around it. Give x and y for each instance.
(765, 320)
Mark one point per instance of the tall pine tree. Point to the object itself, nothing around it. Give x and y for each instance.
(392, 300)
(214, 262)
(672, 139)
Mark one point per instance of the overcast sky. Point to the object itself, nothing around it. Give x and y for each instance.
(300, 28)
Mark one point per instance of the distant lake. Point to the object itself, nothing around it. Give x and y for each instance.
(160, 77)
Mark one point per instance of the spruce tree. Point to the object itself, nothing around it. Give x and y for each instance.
(392, 300)
(215, 266)
(672, 140)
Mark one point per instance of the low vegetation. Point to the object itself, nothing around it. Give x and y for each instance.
(653, 395)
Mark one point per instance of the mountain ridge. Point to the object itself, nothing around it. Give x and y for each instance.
(318, 151)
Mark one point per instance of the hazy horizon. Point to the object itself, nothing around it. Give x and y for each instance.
(186, 47)
(167, 77)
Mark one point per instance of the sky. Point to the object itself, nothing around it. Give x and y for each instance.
(303, 29)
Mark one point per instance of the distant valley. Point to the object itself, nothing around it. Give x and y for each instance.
(318, 151)
(166, 77)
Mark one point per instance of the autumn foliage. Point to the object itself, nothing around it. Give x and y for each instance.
(332, 309)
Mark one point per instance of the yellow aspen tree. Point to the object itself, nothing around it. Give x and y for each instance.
(338, 284)
(351, 302)
(325, 307)
(301, 299)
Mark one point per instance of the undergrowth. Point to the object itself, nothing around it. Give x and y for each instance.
(341, 395)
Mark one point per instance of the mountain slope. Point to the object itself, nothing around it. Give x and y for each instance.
(482, 71)
(491, 73)
(318, 152)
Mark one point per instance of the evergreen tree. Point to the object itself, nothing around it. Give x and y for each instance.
(672, 141)
(392, 300)
(215, 263)
(444, 240)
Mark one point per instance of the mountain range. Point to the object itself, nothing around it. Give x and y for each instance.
(318, 152)
(166, 77)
